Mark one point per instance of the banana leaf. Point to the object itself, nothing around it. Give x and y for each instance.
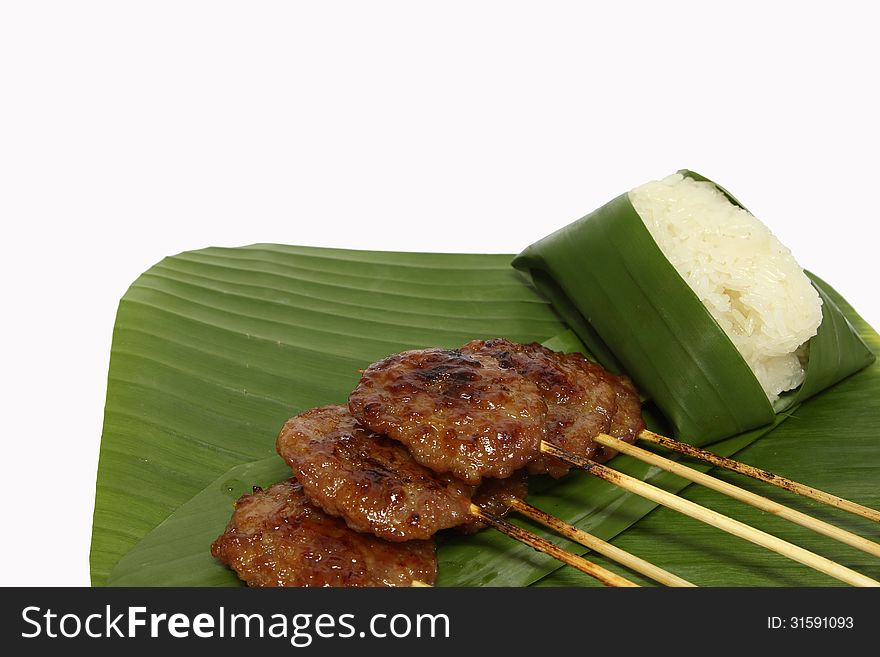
(608, 278)
(214, 349)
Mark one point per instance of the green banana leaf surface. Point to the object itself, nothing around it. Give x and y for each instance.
(214, 349)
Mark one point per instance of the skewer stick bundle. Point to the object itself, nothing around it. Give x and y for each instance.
(742, 495)
(713, 518)
(543, 545)
(622, 557)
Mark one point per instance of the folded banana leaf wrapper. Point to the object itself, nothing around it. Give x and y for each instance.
(608, 279)
(214, 349)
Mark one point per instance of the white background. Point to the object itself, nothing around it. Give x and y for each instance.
(129, 131)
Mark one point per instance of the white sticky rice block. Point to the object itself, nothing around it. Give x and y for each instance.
(746, 278)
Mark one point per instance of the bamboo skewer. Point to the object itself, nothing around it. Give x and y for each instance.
(761, 475)
(419, 584)
(742, 495)
(713, 518)
(542, 545)
(622, 557)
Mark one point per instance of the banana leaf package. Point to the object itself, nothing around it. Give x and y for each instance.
(609, 280)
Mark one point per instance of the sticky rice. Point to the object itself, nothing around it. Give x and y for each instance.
(746, 278)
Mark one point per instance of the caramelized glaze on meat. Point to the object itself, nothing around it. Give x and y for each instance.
(457, 413)
(276, 538)
(627, 422)
(493, 496)
(583, 400)
(371, 481)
